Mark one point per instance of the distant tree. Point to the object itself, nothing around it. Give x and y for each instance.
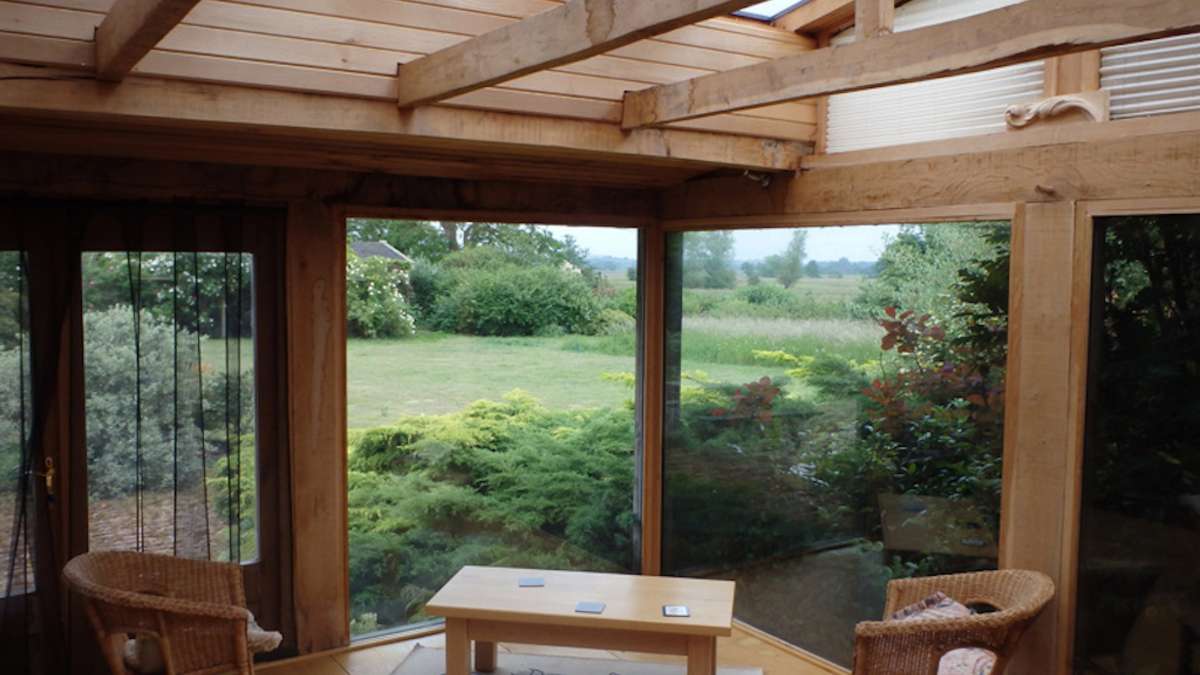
(919, 268)
(812, 269)
(433, 240)
(789, 266)
(708, 260)
(752, 274)
(631, 274)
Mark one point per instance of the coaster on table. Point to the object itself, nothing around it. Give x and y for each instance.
(590, 608)
(531, 582)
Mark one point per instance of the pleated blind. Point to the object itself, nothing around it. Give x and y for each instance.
(963, 105)
(1152, 78)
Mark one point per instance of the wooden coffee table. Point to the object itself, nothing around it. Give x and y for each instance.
(485, 604)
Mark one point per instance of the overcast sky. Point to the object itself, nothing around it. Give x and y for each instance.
(858, 243)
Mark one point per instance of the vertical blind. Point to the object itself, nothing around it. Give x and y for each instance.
(1152, 78)
(963, 105)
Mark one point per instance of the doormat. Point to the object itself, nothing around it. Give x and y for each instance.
(428, 661)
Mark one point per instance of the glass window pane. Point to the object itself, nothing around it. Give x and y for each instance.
(170, 401)
(834, 416)
(16, 419)
(491, 405)
(1139, 549)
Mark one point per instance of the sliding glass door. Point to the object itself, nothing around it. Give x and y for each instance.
(1138, 606)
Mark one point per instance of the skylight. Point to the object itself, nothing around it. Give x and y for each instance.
(770, 10)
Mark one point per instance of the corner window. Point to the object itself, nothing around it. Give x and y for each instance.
(834, 416)
(491, 392)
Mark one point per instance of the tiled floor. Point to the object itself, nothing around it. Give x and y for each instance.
(742, 649)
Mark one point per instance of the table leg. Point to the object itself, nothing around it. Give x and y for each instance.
(485, 656)
(702, 655)
(458, 648)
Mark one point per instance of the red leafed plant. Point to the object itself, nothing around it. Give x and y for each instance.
(935, 376)
(754, 400)
(905, 331)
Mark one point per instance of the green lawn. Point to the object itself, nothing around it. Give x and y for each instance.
(434, 374)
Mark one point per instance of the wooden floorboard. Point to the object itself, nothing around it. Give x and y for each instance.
(741, 649)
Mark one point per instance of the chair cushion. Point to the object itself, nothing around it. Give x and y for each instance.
(143, 655)
(967, 661)
(260, 640)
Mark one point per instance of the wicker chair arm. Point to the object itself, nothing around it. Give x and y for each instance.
(961, 632)
(160, 603)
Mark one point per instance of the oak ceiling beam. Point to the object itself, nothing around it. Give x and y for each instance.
(1031, 30)
(572, 32)
(131, 29)
(33, 92)
(1147, 158)
(367, 195)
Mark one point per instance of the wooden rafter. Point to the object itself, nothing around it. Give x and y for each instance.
(1031, 30)
(131, 29)
(816, 16)
(873, 18)
(572, 32)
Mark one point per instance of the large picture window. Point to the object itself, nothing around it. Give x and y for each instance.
(834, 412)
(491, 405)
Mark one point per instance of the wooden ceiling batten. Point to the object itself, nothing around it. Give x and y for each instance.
(1024, 32)
(575, 31)
(131, 29)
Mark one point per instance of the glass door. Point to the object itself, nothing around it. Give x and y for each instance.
(1138, 608)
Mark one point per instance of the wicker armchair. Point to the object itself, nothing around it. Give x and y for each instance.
(916, 647)
(195, 610)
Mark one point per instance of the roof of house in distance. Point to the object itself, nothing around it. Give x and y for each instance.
(377, 249)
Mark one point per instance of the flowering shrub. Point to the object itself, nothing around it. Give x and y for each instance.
(375, 299)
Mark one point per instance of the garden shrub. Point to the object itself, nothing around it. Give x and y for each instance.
(614, 322)
(426, 280)
(625, 300)
(375, 299)
(766, 294)
(507, 300)
(236, 473)
(501, 482)
(111, 383)
(10, 414)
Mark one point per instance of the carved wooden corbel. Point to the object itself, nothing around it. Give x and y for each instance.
(1094, 104)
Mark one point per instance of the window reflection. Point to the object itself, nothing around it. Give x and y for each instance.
(834, 416)
(1139, 576)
